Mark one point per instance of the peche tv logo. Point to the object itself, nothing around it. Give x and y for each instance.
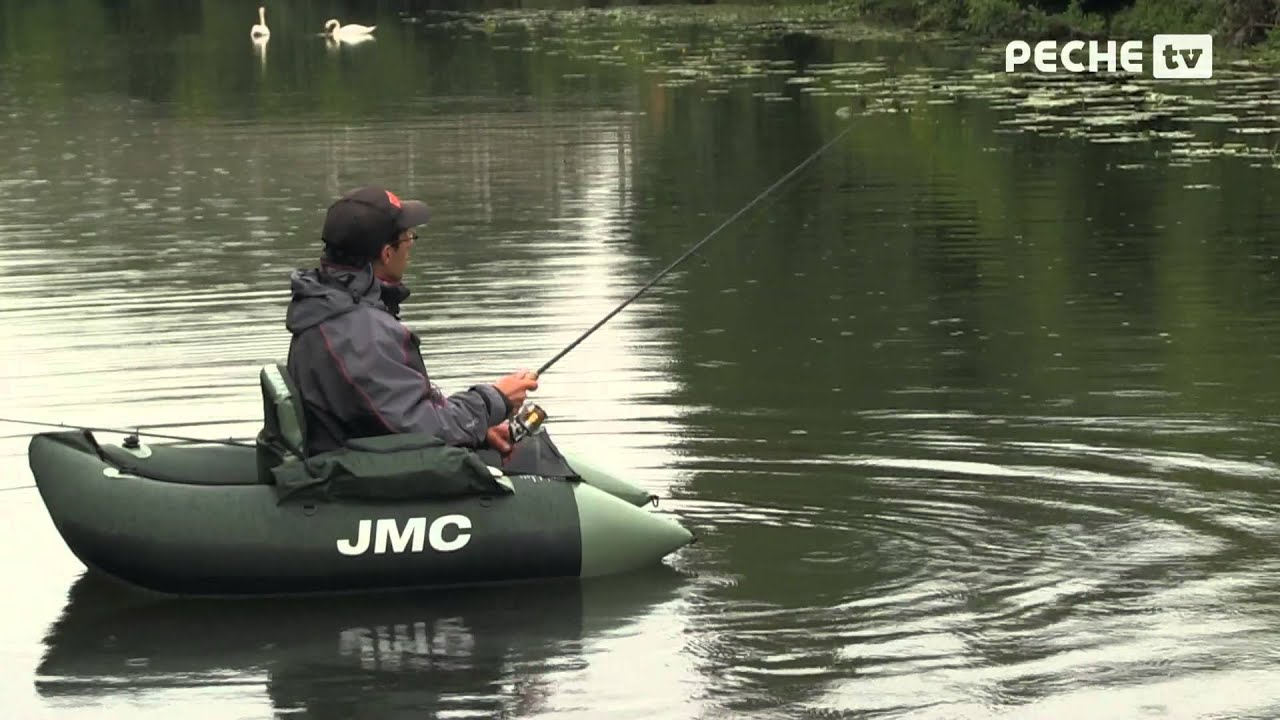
(1173, 57)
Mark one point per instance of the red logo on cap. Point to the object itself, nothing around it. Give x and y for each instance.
(393, 199)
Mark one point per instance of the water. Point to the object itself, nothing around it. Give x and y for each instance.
(973, 419)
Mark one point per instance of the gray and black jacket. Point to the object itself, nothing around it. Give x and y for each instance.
(358, 370)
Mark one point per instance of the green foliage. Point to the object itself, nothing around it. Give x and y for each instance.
(1272, 42)
(899, 13)
(995, 18)
(981, 18)
(1237, 23)
(943, 14)
(1246, 22)
(1086, 23)
(1146, 17)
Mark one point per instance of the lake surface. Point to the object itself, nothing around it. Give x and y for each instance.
(974, 418)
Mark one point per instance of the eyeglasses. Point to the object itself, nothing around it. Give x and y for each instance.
(400, 241)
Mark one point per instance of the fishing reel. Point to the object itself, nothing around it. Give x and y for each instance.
(527, 421)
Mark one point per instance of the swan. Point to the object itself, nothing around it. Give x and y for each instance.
(260, 30)
(339, 31)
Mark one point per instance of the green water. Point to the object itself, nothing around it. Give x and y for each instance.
(973, 418)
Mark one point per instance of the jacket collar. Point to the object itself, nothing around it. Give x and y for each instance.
(365, 287)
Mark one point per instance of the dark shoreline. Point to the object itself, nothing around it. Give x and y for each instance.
(1243, 29)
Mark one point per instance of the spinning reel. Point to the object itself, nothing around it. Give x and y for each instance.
(527, 421)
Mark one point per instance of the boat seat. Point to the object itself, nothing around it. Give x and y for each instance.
(283, 425)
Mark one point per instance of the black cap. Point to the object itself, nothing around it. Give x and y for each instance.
(359, 223)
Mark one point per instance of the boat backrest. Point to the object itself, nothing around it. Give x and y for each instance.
(282, 410)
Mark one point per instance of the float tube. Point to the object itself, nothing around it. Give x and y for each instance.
(208, 521)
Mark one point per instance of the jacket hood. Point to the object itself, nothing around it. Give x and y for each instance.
(331, 290)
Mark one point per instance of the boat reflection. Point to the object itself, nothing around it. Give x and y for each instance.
(487, 650)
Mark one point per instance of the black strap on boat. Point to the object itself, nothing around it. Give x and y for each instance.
(131, 435)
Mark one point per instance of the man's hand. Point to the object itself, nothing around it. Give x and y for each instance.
(516, 386)
(499, 438)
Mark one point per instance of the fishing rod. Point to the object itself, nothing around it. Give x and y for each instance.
(688, 253)
(134, 433)
(528, 419)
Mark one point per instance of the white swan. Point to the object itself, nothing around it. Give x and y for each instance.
(260, 30)
(347, 33)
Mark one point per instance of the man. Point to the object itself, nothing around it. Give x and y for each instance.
(355, 366)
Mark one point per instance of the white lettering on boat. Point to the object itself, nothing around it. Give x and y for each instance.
(386, 534)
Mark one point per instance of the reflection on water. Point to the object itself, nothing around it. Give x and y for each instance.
(973, 419)
(490, 651)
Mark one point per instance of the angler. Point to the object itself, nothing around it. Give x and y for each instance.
(266, 518)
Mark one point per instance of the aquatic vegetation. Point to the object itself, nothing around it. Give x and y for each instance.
(717, 50)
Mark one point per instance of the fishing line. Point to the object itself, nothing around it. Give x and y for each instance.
(202, 423)
(136, 432)
(688, 253)
(14, 436)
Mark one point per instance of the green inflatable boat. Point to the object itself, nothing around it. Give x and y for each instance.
(387, 513)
